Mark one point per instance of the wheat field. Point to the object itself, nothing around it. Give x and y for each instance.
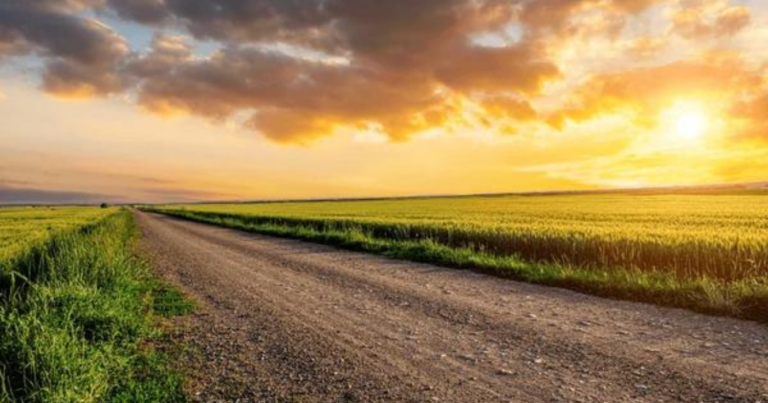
(22, 228)
(705, 252)
(719, 236)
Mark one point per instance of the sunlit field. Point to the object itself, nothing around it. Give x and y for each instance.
(24, 227)
(706, 252)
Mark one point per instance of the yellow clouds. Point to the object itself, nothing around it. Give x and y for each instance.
(506, 107)
(645, 47)
(751, 118)
(709, 18)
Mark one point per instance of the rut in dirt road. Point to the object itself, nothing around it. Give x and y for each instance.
(284, 320)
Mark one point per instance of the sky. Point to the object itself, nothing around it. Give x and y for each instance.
(196, 100)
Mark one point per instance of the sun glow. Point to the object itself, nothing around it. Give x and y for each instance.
(686, 121)
(691, 125)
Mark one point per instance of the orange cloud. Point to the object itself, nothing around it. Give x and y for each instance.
(508, 107)
(752, 117)
(516, 68)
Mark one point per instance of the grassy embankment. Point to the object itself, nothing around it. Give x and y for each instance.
(78, 311)
(705, 253)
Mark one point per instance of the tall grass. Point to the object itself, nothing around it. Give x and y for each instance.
(75, 310)
(696, 252)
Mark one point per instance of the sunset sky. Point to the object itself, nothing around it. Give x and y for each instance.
(185, 100)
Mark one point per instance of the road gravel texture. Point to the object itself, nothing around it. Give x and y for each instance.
(282, 320)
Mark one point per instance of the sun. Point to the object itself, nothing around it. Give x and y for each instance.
(686, 121)
(691, 125)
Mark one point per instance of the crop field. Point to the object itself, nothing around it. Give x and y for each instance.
(75, 306)
(21, 228)
(704, 252)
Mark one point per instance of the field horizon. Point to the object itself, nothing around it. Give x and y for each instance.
(752, 187)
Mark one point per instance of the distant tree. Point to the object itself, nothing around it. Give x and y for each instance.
(104, 205)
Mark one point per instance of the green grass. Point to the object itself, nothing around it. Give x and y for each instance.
(707, 253)
(78, 312)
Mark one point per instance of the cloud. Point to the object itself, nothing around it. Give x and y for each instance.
(709, 18)
(293, 97)
(302, 69)
(299, 99)
(299, 70)
(646, 47)
(61, 5)
(24, 195)
(14, 192)
(176, 195)
(406, 64)
(752, 117)
(514, 68)
(405, 67)
(142, 11)
(234, 21)
(81, 54)
(558, 15)
(509, 107)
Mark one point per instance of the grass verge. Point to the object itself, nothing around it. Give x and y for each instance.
(76, 315)
(745, 299)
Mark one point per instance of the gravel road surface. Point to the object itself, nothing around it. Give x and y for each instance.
(287, 321)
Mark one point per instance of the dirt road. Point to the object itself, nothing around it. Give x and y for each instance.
(283, 320)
